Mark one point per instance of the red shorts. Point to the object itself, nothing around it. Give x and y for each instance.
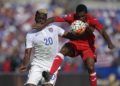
(84, 49)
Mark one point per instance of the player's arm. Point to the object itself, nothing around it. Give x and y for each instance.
(102, 31)
(107, 38)
(69, 35)
(73, 36)
(51, 20)
(26, 59)
(27, 54)
(76, 36)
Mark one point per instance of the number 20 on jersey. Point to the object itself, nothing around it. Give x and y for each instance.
(48, 41)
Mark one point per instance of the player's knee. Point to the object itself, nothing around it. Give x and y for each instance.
(64, 51)
(90, 69)
(67, 50)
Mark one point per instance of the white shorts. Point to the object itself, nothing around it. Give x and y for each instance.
(35, 75)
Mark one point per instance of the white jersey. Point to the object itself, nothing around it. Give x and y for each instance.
(45, 43)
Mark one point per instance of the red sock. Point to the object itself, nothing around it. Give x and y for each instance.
(56, 63)
(93, 79)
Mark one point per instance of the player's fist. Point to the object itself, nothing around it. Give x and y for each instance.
(22, 68)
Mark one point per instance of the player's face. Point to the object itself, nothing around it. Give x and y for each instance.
(81, 16)
(41, 17)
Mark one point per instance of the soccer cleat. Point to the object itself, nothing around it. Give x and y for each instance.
(46, 76)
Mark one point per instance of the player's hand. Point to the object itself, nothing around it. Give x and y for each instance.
(111, 46)
(22, 68)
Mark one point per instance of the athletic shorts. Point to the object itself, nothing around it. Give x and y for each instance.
(35, 75)
(85, 50)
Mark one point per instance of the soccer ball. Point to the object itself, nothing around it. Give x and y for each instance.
(78, 27)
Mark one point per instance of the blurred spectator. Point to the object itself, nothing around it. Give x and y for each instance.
(7, 66)
(112, 81)
(1, 24)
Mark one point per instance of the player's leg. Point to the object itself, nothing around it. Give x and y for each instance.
(66, 50)
(34, 76)
(89, 60)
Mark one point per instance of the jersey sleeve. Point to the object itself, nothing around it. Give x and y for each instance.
(97, 24)
(59, 19)
(59, 30)
(29, 42)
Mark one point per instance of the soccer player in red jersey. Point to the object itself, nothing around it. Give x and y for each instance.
(82, 45)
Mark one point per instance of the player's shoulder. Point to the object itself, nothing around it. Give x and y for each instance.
(32, 32)
(90, 16)
(54, 26)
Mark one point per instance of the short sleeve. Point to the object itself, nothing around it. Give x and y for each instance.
(98, 25)
(59, 19)
(60, 31)
(92, 21)
(29, 42)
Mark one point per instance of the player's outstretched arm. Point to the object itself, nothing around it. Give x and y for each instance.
(69, 35)
(98, 26)
(72, 35)
(26, 59)
(107, 39)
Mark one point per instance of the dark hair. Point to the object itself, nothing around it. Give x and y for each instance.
(37, 16)
(81, 8)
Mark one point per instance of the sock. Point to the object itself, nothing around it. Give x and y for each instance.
(93, 79)
(56, 63)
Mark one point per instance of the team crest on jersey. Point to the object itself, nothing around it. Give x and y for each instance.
(51, 29)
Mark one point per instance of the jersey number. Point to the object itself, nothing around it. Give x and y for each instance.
(48, 41)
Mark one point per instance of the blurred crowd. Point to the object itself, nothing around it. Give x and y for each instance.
(16, 20)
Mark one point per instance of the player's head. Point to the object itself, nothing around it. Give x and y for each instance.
(41, 15)
(81, 11)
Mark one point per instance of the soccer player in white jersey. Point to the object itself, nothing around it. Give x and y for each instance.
(45, 43)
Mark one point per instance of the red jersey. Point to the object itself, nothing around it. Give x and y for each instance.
(92, 21)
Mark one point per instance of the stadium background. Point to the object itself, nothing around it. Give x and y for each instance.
(16, 18)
